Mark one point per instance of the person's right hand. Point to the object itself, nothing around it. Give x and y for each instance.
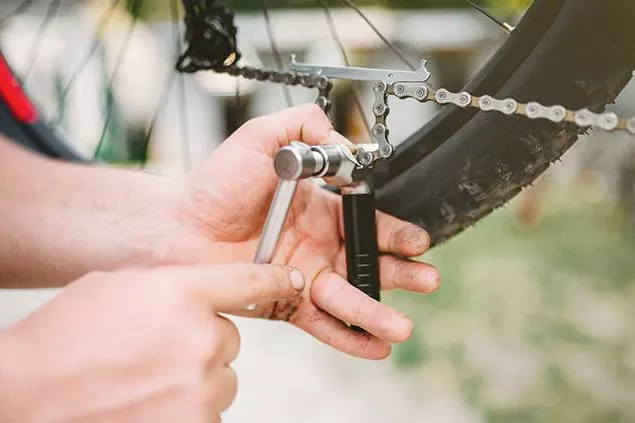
(135, 346)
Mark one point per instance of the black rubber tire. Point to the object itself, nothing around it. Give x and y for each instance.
(463, 165)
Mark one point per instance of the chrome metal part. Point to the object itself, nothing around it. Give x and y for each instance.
(298, 161)
(379, 131)
(462, 99)
(605, 121)
(555, 114)
(361, 74)
(412, 84)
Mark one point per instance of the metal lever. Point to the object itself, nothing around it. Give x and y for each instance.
(275, 220)
(362, 74)
(334, 163)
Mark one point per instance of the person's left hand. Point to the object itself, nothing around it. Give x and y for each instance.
(224, 204)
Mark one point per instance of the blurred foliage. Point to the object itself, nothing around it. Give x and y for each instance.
(532, 325)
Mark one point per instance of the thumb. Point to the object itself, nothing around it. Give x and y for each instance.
(306, 123)
(234, 286)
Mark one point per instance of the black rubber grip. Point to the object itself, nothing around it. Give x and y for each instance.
(362, 254)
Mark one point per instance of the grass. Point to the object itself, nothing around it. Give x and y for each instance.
(535, 324)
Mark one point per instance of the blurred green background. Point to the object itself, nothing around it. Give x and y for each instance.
(533, 323)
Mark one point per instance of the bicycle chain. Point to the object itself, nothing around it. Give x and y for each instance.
(322, 84)
(584, 118)
(212, 44)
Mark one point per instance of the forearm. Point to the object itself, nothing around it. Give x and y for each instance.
(59, 221)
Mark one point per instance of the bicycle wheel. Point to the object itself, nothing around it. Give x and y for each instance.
(462, 165)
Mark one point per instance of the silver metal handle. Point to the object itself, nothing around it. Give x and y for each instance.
(275, 221)
(274, 224)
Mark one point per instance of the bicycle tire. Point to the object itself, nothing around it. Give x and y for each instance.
(464, 164)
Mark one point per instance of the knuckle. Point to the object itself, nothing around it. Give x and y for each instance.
(203, 347)
(257, 280)
(221, 390)
(203, 341)
(280, 278)
(231, 385)
(360, 315)
(212, 346)
(363, 342)
(324, 291)
(255, 276)
(268, 280)
(231, 339)
(206, 401)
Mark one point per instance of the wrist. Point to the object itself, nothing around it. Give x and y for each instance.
(121, 219)
(147, 222)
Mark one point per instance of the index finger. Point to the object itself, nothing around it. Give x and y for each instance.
(306, 123)
(233, 287)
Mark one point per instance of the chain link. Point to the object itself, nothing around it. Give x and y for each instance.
(423, 93)
(583, 118)
(323, 85)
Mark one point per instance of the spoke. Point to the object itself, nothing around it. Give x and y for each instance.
(355, 88)
(274, 49)
(390, 45)
(21, 8)
(504, 25)
(86, 60)
(120, 57)
(53, 8)
(169, 82)
(183, 115)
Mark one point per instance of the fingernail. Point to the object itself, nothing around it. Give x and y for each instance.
(423, 239)
(432, 275)
(297, 279)
(404, 327)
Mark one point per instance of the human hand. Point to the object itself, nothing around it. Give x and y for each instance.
(134, 346)
(221, 213)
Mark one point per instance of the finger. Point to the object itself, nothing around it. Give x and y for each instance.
(408, 275)
(396, 236)
(234, 286)
(336, 334)
(231, 340)
(306, 123)
(397, 273)
(223, 388)
(331, 293)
